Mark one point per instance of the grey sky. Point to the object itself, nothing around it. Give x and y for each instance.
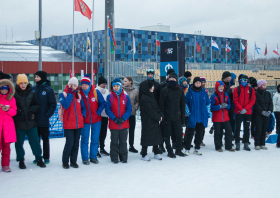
(254, 20)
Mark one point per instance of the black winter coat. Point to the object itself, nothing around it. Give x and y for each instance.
(150, 117)
(144, 85)
(27, 106)
(172, 103)
(263, 102)
(45, 95)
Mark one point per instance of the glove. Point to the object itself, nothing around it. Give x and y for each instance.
(121, 120)
(225, 105)
(70, 90)
(266, 113)
(269, 112)
(243, 111)
(117, 120)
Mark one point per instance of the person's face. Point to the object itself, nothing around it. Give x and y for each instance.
(103, 85)
(23, 85)
(74, 87)
(126, 82)
(185, 83)
(203, 83)
(37, 78)
(152, 88)
(172, 79)
(4, 91)
(85, 86)
(197, 84)
(255, 88)
(150, 75)
(221, 87)
(264, 86)
(116, 87)
(227, 79)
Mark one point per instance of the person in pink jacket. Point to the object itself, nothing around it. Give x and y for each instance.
(8, 109)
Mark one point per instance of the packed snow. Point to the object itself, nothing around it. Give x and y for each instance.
(240, 174)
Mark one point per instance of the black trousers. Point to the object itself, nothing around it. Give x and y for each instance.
(261, 129)
(176, 126)
(253, 125)
(145, 149)
(118, 146)
(247, 120)
(199, 128)
(277, 116)
(231, 120)
(71, 147)
(218, 135)
(45, 133)
(132, 123)
(103, 132)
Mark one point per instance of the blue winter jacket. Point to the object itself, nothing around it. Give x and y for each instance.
(193, 100)
(46, 97)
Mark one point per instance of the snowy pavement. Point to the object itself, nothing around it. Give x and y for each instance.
(241, 174)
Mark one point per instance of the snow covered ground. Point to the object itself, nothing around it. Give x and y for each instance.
(240, 174)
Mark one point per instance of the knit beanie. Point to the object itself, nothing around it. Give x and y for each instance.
(22, 78)
(173, 75)
(117, 81)
(4, 76)
(226, 74)
(202, 79)
(253, 82)
(73, 81)
(42, 75)
(261, 82)
(196, 79)
(187, 74)
(170, 71)
(86, 80)
(150, 84)
(6, 87)
(181, 80)
(101, 80)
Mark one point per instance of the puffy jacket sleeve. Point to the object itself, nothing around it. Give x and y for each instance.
(136, 105)
(236, 100)
(101, 103)
(214, 107)
(13, 108)
(252, 101)
(51, 103)
(127, 113)
(65, 102)
(108, 108)
(228, 102)
(83, 108)
(35, 104)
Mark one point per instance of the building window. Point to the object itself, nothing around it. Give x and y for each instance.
(74, 48)
(217, 54)
(139, 59)
(224, 53)
(228, 57)
(205, 53)
(122, 59)
(149, 60)
(98, 62)
(155, 48)
(187, 51)
(122, 47)
(149, 48)
(192, 51)
(83, 47)
(139, 48)
(98, 48)
(213, 54)
(200, 52)
(103, 47)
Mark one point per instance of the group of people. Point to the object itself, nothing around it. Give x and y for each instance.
(165, 108)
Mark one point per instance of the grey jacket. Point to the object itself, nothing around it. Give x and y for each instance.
(133, 94)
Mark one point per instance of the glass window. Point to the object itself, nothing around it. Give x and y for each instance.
(155, 48)
(200, 52)
(139, 59)
(139, 48)
(228, 55)
(103, 47)
(187, 51)
(205, 53)
(224, 53)
(213, 53)
(98, 48)
(149, 48)
(122, 59)
(122, 47)
(192, 51)
(217, 55)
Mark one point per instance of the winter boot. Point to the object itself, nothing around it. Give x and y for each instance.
(219, 150)
(186, 152)
(237, 146)
(162, 149)
(6, 169)
(246, 147)
(257, 148)
(86, 162)
(263, 147)
(158, 157)
(22, 165)
(115, 162)
(197, 152)
(104, 152)
(277, 145)
(146, 158)
(95, 161)
(98, 155)
(41, 164)
(74, 165)
(65, 166)
(171, 155)
(132, 150)
(179, 153)
(202, 144)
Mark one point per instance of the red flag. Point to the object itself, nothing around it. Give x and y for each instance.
(265, 52)
(81, 6)
(72, 74)
(197, 47)
(157, 41)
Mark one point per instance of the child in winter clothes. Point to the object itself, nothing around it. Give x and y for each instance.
(220, 104)
(27, 105)
(73, 121)
(262, 109)
(95, 104)
(102, 83)
(8, 109)
(118, 108)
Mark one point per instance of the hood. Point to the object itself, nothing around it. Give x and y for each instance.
(11, 88)
(219, 83)
(145, 89)
(128, 89)
(233, 76)
(46, 83)
(28, 89)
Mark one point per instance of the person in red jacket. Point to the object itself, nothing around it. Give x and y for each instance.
(73, 121)
(244, 99)
(94, 103)
(118, 108)
(220, 104)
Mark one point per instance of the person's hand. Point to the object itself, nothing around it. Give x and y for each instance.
(243, 111)
(225, 105)
(232, 87)
(116, 120)
(269, 112)
(70, 90)
(161, 119)
(121, 120)
(5, 108)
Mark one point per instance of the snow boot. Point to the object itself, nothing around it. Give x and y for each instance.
(104, 152)
(179, 153)
(158, 157)
(257, 148)
(197, 152)
(35, 161)
(6, 169)
(41, 164)
(22, 165)
(98, 155)
(171, 155)
(246, 147)
(115, 162)
(237, 146)
(65, 166)
(263, 147)
(146, 158)
(95, 161)
(219, 150)
(74, 165)
(86, 162)
(202, 144)
(132, 150)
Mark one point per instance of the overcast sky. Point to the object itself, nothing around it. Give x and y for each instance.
(254, 20)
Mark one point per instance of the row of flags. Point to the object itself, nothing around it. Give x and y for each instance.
(258, 50)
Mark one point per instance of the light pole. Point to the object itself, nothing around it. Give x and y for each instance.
(40, 32)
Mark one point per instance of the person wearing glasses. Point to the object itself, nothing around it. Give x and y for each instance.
(244, 98)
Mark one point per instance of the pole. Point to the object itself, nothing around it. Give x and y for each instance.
(156, 47)
(86, 50)
(108, 55)
(226, 50)
(240, 52)
(254, 52)
(92, 42)
(62, 74)
(40, 39)
(133, 45)
(211, 49)
(12, 35)
(277, 55)
(2, 67)
(194, 53)
(73, 40)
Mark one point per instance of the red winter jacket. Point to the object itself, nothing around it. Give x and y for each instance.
(244, 101)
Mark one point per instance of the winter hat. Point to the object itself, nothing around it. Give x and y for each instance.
(101, 80)
(150, 84)
(226, 74)
(150, 71)
(86, 80)
(170, 71)
(117, 81)
(202, 79)
(42, 75)
(196, 79)
(73, 81)
(22, 78)
(187, 74)
(253, 82)
(233, 77)
(6, 87)
(4, 76)
(173, 75)
(261, 82)
(242, 76)
(181, 80)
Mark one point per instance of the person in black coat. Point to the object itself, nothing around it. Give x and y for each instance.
(262, 109)
(172, 105)
(45, 95)
(25, 124)
(165, 83)
(150, 117)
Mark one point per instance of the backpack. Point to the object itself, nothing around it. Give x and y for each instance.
(61, 109)
(239, 90)
(220, 99)
(112, 98)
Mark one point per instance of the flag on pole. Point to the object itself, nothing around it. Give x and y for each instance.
(228, 48)
(265, 51)
(215, 46)
(197, 47)
(242, 47)
(82, 7)
(276, 51)
(72, 73)
(88, 44)
(158, 43)
(134, 47)
(257, 49)
(113, 43)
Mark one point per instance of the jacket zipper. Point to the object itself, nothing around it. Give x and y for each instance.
(89, 110)
(75, 112)
(119, 111)
(222, 109)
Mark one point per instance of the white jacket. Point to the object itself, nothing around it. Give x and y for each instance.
(276, 102)
(105, 93)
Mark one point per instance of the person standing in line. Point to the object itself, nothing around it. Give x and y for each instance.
(230, 94)
(263, 108)
(253, 83)
(188, 76)
(95, 104)
(226, 78)
(133, 94)
(276, 108)
(46, 96)
(150, 117)
(73, 121)
(27, 105)
(118, 108)
(203, 85)
(165, 83)
(102, 83)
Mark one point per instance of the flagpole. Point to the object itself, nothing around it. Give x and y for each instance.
(156, 47)
(266, 54)
(194, 54)
(108, 54)
(277, 54)
(255, 52)
(240, 52)
(133, 45)
(211, 49)
(92, 42)
(73, 40)
(86, 50)
(226, 50)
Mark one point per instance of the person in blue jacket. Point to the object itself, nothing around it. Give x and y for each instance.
(46, 97)
(197, 100)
